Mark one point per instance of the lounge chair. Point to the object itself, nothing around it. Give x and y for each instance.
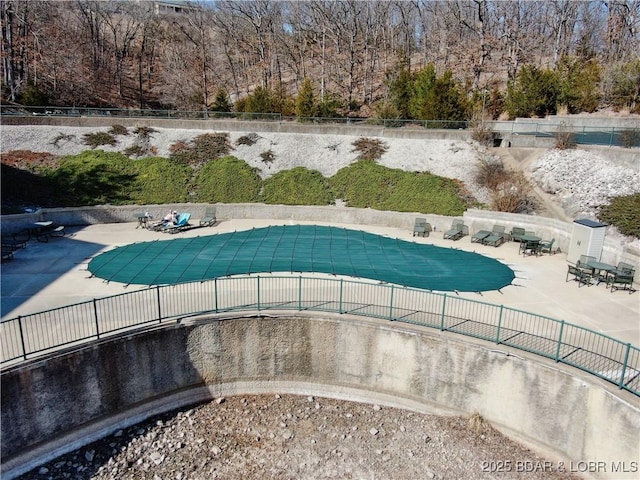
(497, 236)
(480, 235)
(183, 224)
(209, 218)
(420, 227)
(458, 230)
(583, 277)
(517, 233)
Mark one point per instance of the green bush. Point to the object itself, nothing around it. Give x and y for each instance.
(160, 180)
(98, 139)
(298, 186)
(534, 93)
(228, 180)
(367, 184)
(624, 213)
(92, 178)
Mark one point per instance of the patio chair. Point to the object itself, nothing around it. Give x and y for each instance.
(621, 280)
(183, 224)
(421, 227)
(517, 233)
(584, 260)
(458, 230)
(583, 277)
(497, 236)
(546, 246)
(531, 248)
(479, 236)
(209, 218)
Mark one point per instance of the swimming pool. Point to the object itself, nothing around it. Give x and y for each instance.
(302, 248)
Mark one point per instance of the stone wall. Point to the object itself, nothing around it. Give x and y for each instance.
(57, 404)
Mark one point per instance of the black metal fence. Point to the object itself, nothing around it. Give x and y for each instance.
(29, 336)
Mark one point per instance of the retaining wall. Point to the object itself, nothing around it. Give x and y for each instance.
(614, 251)
(60, 403)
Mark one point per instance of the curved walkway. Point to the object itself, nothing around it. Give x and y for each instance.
(54, 274)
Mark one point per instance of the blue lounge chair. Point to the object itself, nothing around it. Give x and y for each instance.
(183, 224)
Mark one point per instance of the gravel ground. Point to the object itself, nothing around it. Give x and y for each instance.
(296, 437)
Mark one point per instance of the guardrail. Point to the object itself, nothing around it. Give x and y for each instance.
(30, 336)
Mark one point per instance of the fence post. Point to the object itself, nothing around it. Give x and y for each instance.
(95, 318)
(158, 302)
(24, 349)
(624, 366)
(300, 293)
(340, 303)
(215, 293)
(258, 291)
(391, 305)
(559, 341)
(444, 303)
(499, 324)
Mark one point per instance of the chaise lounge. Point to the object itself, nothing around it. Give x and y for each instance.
(497, 236)
(457, 231)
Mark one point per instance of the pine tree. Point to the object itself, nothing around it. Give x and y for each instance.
(305, 102)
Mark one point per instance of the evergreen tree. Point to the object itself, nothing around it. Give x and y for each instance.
(579, 84)
(305, 102)
(221, 102)
(400, 88)
(421, 102)
(533, 93)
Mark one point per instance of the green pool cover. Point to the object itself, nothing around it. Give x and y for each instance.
(302, 248)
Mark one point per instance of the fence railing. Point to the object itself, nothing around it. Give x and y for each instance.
(30, 336)
(582, 135)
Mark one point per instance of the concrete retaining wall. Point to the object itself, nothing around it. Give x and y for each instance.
(614, 249)
(57, 404)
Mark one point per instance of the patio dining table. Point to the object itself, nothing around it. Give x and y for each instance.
(600, 270)
(37, 228)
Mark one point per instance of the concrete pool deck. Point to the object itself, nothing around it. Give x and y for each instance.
(49, 275)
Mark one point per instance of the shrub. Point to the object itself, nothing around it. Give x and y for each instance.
(298, 186)
(160, 180)
(98, 139)
(369, 148)
(248, 139)
(624, 213)
(367, 184)
(135, 151)
(92, 178)
(61, 137)
(482, 134)
(144, 132)
(564, 137)
(490, 173)
(118, 130)
(513, 195)
(268, 156)
(630, 138)
(201, 149)
(228, 180)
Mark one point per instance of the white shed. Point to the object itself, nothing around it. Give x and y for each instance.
(587, 239)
